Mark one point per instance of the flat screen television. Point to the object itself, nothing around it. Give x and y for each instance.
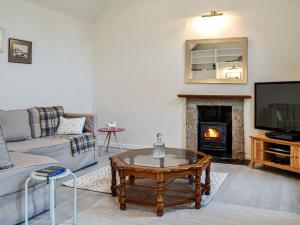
(277, 106)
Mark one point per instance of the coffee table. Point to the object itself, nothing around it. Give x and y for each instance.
(160, 182)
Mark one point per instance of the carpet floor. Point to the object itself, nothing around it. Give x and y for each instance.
(106, 210)
(263, 196)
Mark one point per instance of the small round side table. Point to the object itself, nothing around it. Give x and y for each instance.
(109, 131)
(52, 194)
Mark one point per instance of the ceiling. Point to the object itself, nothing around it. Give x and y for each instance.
(87, 10)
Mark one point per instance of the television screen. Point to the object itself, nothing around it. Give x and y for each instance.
(277, 106)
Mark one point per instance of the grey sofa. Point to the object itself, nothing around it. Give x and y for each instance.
(30, 153)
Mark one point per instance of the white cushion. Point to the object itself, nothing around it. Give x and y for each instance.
(70, 126)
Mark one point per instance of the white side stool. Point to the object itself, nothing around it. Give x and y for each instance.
(52, 194)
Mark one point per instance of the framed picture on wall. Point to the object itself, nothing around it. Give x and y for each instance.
(19, 51)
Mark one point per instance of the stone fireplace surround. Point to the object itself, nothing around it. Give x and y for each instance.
(237, 104)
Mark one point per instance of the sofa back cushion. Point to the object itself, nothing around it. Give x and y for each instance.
(15, 125)
(5, 161)
(35, 125)
(49, 119)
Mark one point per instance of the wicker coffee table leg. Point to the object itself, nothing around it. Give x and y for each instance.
(207, 180)
(198, 196)
(113, 181)
(122, 197)
(160, 195)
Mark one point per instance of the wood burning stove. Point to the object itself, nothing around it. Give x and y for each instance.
(215, 130)
(213, 137)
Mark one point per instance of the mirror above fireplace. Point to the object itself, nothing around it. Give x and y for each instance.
(221, 60)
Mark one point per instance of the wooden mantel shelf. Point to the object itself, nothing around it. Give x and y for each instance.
(214, 96)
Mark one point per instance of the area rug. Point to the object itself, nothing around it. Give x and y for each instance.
(100, 181)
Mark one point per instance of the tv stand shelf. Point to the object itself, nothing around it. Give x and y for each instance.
(262, 154)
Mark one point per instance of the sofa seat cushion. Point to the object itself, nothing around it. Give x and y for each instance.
(38, 144)
(13, 180)
(55, 147)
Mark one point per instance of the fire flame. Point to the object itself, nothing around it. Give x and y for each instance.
(211, 133)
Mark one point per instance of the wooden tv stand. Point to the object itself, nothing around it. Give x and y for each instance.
(261, 154)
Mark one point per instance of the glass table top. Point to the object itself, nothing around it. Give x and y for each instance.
(173, 157)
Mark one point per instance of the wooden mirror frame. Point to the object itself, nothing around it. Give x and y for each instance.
(190, 80)
(2, 36)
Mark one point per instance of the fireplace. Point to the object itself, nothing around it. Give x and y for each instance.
(233, 114)
(215, 130)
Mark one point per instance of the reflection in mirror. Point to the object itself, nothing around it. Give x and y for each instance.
(216, 61)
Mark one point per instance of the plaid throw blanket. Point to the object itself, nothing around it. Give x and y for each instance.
(81, 143)
(49, 119)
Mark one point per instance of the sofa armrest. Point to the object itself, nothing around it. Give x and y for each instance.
(89, 122)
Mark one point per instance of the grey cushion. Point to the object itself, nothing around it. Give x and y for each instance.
(5, 161)
(35, 125)
(13, 179)
(15, 125)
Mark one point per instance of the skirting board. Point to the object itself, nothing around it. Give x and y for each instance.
(131, 146)
(125, 146)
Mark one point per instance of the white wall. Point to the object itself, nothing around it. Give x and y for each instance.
(61, 72)
(139, 59)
